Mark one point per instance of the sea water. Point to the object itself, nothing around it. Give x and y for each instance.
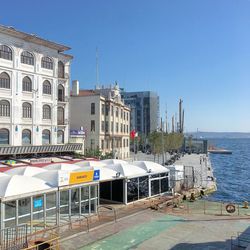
(232, 172)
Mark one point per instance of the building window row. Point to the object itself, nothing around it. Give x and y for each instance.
(4, 108)
(27, 138)
(27, 111)
(105, 109)
(125, 142)
(27, 86)
(4, 81)
(28, 58)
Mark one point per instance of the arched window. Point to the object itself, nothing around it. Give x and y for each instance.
(60, 115)
(47, 63)
(60, 93)
(46, 87)
(26, 137)
(60, 137)
(27, 58)
(5, 52)
(46, 112)
(4, 136)
(4, 81)
(45, 137)
(60, 69)
(4, 108)
(27, 84)
(27, 110)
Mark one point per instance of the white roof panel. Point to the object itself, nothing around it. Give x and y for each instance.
(18, 185)
(113, 161)
(150, 167)
(127, 170)
(62, 166)
(27, 171)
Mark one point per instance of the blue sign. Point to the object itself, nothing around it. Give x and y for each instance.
(77, 132)
(96, 175)
(38, 203)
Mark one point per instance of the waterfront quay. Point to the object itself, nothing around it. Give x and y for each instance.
(198, 167)
(156, 230)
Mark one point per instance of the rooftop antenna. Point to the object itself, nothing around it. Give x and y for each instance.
(97, 68)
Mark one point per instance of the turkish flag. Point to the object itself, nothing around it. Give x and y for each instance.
(132, 134)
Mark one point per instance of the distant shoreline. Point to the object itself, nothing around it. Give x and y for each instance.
(219, 135)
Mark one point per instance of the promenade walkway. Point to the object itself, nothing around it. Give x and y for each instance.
(155, 230)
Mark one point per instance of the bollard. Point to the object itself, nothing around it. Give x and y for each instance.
(245, 205)
(204, 207)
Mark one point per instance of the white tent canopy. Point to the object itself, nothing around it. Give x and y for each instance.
(62, 166)
(27, 171)
(18, 185)
(113, 161)
(90, 164)
(150, 167)
(127, 170)
(107, 173)
(51, 177)
(3, 174)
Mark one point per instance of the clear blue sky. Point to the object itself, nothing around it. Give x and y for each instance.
(198, 50)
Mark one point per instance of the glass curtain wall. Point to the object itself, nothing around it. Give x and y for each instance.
(138, 188)
(159, 183)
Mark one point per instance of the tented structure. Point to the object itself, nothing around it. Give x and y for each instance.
(62, 166)
(113, 161)
(20, 185)
(133, 181)
(90, 164)
(53, 195)
(27, 171)
(61, 192)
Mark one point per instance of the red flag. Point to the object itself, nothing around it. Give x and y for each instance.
(132, 134)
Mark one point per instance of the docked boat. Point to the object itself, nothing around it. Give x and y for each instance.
(214, 150)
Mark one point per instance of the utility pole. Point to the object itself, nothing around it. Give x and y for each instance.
(180, 116)
(166, 117)
(162, 144)
(97, 68)
(172, 124)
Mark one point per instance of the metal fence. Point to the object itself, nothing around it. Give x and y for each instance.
(210, 208)
(14, 238)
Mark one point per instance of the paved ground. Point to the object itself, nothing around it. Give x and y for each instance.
(200, 162)
(154, 230)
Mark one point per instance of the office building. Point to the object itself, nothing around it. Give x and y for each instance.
(144, 110)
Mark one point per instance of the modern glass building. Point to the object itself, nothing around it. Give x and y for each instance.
(144, 110)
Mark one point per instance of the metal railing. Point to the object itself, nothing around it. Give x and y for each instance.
(209, 207)
(109, 208)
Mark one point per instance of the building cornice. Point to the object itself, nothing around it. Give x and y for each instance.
(33, 39)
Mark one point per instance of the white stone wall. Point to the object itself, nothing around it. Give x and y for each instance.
(17, 71)
(80, 110)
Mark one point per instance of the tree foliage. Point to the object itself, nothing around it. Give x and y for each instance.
(162, 141)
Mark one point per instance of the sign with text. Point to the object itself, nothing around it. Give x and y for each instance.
(96, 175)
(38, 203)
(77, 132)
(63, 178)
(81, 177)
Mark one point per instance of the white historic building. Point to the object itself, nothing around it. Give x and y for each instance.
(34, 90)
(104, 117)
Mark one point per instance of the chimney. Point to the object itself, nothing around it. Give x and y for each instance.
(75, 88)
